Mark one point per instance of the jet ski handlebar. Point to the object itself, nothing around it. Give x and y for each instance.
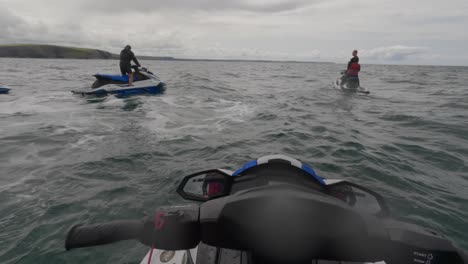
(135, 68)
(278, 222)
(275, 236)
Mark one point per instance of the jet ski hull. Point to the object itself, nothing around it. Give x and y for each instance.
(124, 89)
(144, 82)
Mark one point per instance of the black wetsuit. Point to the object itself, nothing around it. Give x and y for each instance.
(126, 56)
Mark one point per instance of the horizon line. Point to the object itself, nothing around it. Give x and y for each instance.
(174, 58)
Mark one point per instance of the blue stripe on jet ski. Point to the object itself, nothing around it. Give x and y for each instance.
(304, 167)
(141, 90)
(126, 90)
(311, 171)
(118, 78)
(246, 166)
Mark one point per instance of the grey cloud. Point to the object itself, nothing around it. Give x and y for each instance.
(273, 29)
(17, 30)
(181, 6)
(11, 24)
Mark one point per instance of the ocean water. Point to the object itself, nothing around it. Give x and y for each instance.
(66, 159)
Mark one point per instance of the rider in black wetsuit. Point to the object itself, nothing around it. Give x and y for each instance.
(126, 56)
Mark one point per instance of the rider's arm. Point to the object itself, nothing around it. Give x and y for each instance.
(135, 60)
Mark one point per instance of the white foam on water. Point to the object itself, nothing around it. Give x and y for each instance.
(197, 118)
(25, 196)
(25, 105)
(17, 182)
(112, 101)
(234, 110)
(29, 156)
(34, 103)
(87, 142)
(70, 127)
(172, 101)
(160, 123)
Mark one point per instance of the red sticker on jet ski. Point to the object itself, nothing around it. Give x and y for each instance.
(159, 220)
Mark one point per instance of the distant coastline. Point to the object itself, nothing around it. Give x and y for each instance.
(60, 52)
(43, 51)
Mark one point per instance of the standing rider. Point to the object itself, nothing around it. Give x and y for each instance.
(126, 56)
(354, 56)
(344, 78)
(354, 68)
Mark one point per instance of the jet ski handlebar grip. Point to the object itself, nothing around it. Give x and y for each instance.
(101, 234)
(172, 228)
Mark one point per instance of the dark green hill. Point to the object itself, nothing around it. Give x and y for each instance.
(60, 52)
(51, 51)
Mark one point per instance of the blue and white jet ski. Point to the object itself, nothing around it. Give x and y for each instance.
(4, 89)
(274, 209)
(144, 81)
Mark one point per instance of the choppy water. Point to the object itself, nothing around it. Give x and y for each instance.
(65, 159)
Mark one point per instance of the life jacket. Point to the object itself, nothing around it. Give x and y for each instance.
(354, 69)
(351, 61)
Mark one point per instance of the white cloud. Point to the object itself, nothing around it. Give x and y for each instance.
(394, 53)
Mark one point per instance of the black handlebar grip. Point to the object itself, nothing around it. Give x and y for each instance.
(101, 234)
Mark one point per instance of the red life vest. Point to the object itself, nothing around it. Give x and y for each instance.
(354, 69)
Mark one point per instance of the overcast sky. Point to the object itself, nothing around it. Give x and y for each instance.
(384, 31)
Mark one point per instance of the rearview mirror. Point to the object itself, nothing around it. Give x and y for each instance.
(205, 185)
